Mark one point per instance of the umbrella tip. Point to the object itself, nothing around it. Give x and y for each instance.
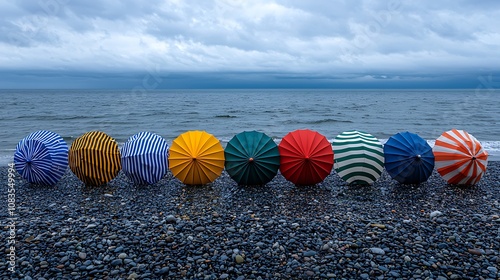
(250, 159)
(419, 156)
(473, 158)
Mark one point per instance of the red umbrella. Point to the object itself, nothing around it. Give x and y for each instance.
(306, 157)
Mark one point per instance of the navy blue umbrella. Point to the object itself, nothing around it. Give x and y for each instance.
(408, 158)
(144, 158)
(41, 157)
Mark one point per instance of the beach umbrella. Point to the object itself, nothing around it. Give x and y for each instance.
(252, 158)
(144, 158)
(460, 158)
(408, 158)
(94, 158)
(306, 157)
(196, 158)
(359, 157)
(41, 157)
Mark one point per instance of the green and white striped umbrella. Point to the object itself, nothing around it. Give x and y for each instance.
(359, 157)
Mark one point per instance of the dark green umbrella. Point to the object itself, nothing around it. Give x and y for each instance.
(252, 158)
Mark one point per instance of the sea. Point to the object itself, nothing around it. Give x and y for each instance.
(225, 113)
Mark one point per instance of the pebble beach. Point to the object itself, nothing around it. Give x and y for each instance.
(278, 231)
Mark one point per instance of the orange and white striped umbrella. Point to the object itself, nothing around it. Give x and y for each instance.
(459, 157)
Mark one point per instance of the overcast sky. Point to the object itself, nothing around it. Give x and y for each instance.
(236, 43)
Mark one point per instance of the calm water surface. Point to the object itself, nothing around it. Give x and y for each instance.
(224, 113)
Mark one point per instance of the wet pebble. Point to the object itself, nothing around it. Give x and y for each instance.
(277, 231)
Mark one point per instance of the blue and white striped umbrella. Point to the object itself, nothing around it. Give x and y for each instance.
(41, 157)
(145, 158)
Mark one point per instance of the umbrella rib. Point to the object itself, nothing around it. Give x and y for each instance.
(265, 149)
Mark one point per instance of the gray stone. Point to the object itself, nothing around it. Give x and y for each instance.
(133, 276)
(377, 251)
(309, 253)
(118, 249)
(492, 270)
(170, 219)
(116, 262)
(122, 255)
(394, 274)
(434, 214)
(199, 228)
(259, 244)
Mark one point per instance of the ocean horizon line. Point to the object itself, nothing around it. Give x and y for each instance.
(237, 88)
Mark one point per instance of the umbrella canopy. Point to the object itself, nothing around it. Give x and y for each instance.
(94, 158)
(460, 158)
(41, 157)
(359, 157)
(408, 158)
(252, 158)
(306, 157)
(196, 158)
(144, 158)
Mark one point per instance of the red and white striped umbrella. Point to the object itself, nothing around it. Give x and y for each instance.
(459, 157)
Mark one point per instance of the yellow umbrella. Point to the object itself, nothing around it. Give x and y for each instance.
(94, 158)
(196, 158)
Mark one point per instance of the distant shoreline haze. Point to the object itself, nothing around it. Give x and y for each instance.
(489, 81)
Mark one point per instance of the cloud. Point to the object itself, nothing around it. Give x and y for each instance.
(283, 36)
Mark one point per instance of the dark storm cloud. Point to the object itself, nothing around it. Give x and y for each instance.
(366, 38)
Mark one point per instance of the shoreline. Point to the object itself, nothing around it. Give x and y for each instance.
(221, 230)
(492, 147)
(4, 161)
